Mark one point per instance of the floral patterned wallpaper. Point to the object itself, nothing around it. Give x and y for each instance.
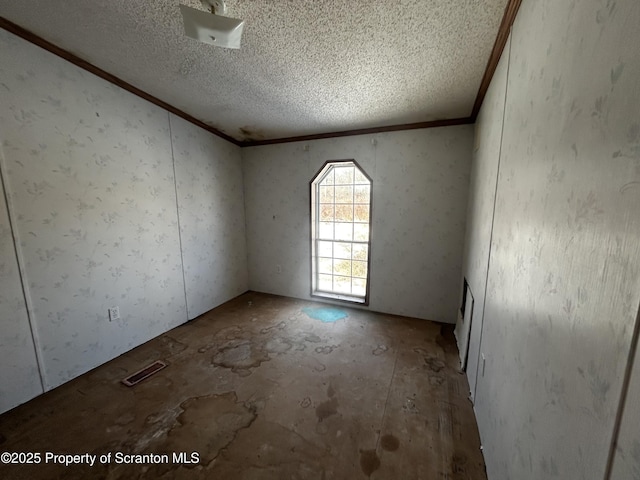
(18, 369)
(90, 175)
(564, 277)
(420, 183)
(419, 216)
(482, 191)
(211, 210)
(626, 465)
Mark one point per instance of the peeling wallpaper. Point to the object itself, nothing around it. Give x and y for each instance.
(564, 276)
(90, 178)
(211, 209)
(420, 183)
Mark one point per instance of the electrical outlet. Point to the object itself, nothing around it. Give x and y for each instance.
(114, 314)
(278, 268)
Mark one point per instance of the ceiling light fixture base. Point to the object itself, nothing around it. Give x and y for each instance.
(217, 7)
(212, 27)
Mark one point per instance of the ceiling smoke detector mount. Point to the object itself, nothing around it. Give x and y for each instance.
(211, 27)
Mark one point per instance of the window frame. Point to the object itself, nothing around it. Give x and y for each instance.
(314, 224)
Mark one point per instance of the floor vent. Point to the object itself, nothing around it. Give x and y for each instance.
(146, 372)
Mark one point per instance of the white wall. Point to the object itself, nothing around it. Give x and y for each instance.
(564, 275)
(482, 194)
(89, 173)
(18, 368)
(626, 465)
(420, 183)
(211, 209)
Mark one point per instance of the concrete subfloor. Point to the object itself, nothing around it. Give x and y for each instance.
(259, 389)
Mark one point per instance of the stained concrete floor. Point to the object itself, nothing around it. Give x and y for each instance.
(261, 390)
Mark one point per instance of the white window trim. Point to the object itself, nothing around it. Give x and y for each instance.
(315, 214)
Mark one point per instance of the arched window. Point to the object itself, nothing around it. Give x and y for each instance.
(340, 232)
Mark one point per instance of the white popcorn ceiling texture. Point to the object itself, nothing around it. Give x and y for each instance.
(305, 67)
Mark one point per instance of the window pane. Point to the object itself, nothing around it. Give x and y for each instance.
(360, 269)
(326, 212)
(325, 282)
(359, 286)
(361, 194)
(328, 179)
(344, 194)
(341, 203)
(360, 252)
(361, 232)
(344, 175)
(326, 194)
(325, 249)
(326, 231)
(361, 213)
(344, 231)
(325, 265)
(342, 267)
(360, 178)
(342, 284)
(342, 250)
(344, 213)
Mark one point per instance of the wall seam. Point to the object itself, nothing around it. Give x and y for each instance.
(493, 217)
(246, 227)
(175, 185)
(624, 394)
(35, 338)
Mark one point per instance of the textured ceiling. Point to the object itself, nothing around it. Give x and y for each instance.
(305, 67)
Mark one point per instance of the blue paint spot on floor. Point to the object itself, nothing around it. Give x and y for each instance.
(324, 314)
